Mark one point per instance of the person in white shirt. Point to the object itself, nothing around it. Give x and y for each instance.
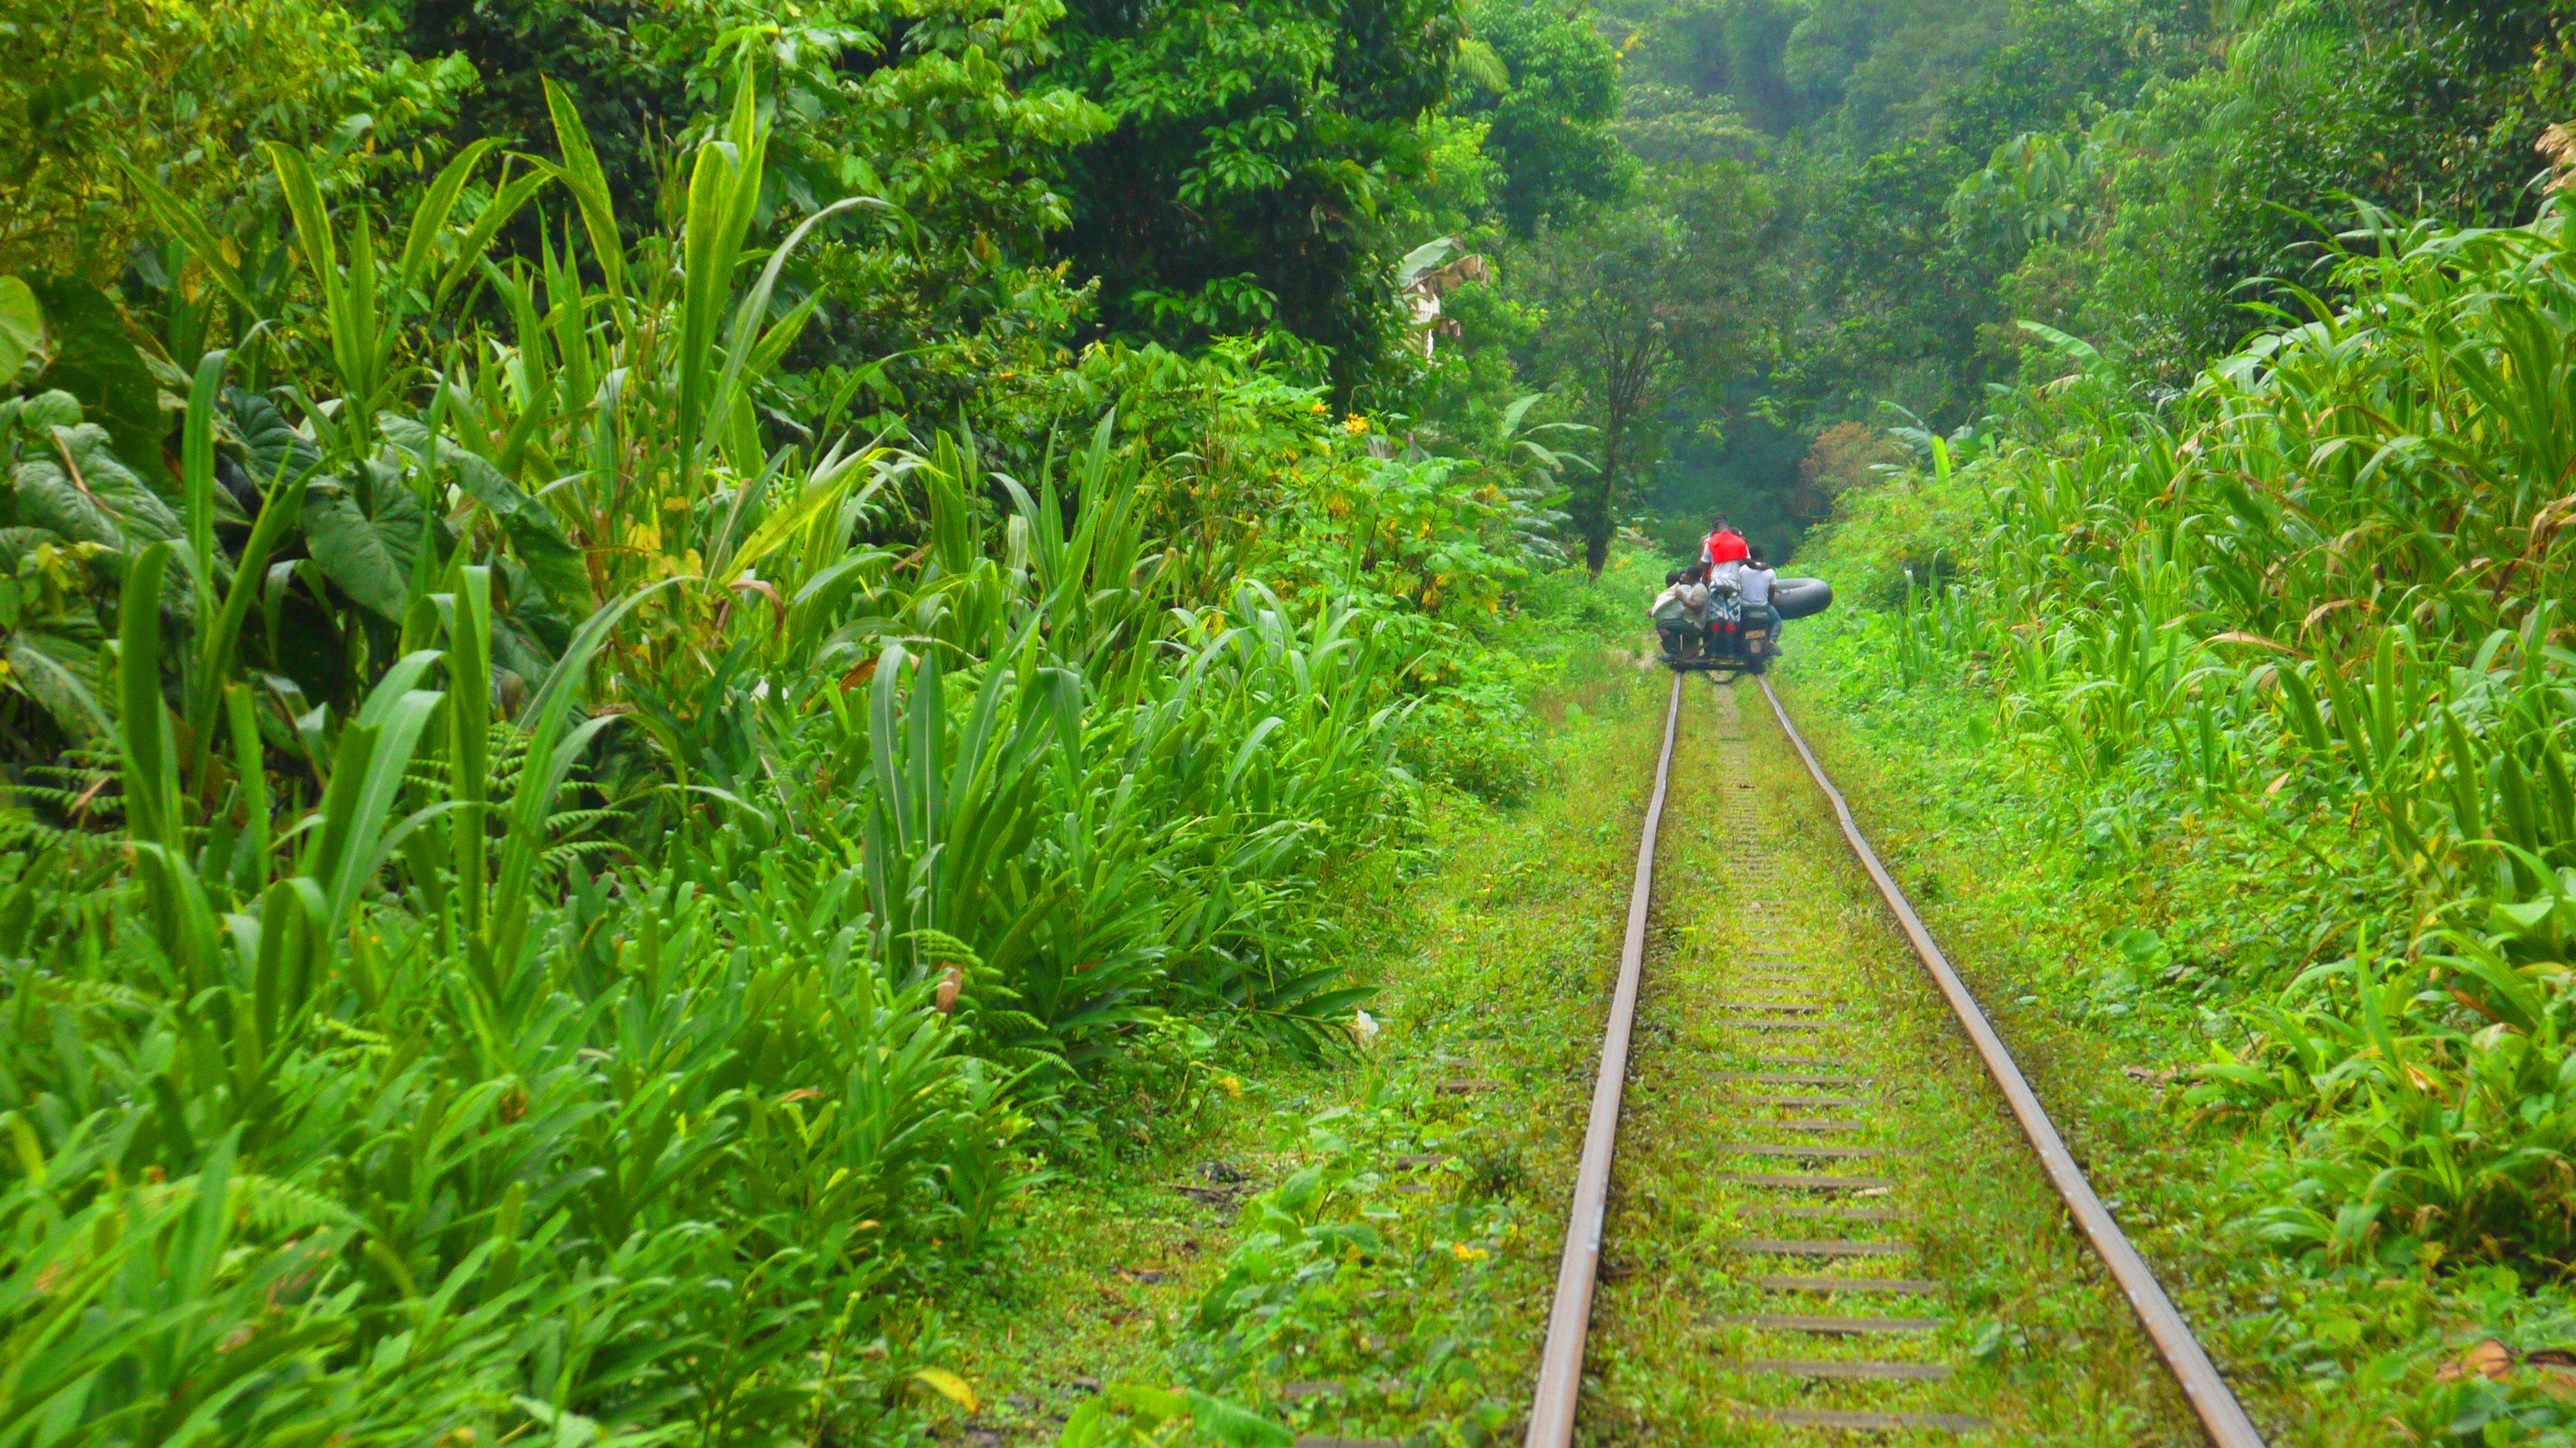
(1679, 611)
(1753, 581)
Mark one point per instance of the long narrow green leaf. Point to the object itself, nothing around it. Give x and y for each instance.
(250, 770)
(429, 214)
(150, 777)
(707, 261)
(197, 471)
(281, 509)
(589, 187)
(312, 223)
(203, 248)
(745, 342)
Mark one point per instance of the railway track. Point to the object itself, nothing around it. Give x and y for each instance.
(1811, 1149)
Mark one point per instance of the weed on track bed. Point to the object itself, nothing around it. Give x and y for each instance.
(1945, 1269)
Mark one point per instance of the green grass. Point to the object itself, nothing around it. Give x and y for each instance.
(2042, 1345)
(1494, 972)
(2047, 923)
(1493, 975)
(2237, 729)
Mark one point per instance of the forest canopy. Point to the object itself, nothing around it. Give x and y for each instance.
(2143, 175)
(658, 655)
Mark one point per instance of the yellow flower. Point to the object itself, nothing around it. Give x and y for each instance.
(1469, 1254)
(1355, 424)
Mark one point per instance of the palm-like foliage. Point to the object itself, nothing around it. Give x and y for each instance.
(589, 927)
(2330, 586)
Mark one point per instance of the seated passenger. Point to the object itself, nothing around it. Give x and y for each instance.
(1676, 612)
(1753, 582)
(1699, 599)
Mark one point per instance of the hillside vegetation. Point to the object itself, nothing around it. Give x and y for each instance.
(2268, 691)
(583, 827)
(667, 667)
(2131, 172)
(2181, 393)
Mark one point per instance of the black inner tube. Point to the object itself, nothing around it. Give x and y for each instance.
(1801, 597)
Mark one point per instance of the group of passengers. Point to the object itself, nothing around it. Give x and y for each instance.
(1730, 584)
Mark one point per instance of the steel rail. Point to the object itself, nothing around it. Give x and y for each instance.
(2202, 1384)
(1560, 1364)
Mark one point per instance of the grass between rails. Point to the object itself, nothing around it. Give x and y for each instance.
(1366, 1247)
(2042, 1345)
(2045, 924)
(1450, 1145)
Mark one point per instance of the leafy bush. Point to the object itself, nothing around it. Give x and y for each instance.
(1324, 1266)
(2320, 600)
(1476, 734)
(1250, 152)
(537, 909)
(186, 91)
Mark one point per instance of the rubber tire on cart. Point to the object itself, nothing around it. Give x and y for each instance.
(1801, 597)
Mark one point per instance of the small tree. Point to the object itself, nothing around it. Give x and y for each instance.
(1846, 457)
(1644, 305)
(1551, 114)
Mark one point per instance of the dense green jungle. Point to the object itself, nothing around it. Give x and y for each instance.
(684, 682)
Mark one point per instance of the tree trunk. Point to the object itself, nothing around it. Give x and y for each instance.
(1630, 377)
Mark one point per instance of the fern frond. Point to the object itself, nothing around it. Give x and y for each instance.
(284, 1207)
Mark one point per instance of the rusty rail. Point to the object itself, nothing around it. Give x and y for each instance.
(1560, 1378)
(1560, 1364)
(2209, 1395)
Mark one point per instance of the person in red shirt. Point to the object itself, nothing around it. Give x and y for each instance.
(1723, 544)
